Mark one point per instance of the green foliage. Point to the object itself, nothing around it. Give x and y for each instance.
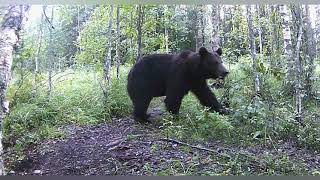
(118, 101)
(93, 39)
(255, 120)
(235, 33)
(197, 123)
(76, 99)
(309, 135)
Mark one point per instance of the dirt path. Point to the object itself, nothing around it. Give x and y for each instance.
(127, 148)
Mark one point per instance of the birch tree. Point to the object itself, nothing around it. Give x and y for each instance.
(118, 42)
(259, 30)
(11, 25)
(139, 29)
(202, 25)
(166, 33)
(36, 59)
(78, 27)
(107, 61)
(253, 50)
(287, 45)
(196, 20)
(317, 30)
(311, 53)
(50, 48)
(298, 68)
(274, 34)
(215, 20)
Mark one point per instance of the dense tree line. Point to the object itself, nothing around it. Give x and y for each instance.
(267, 41)
(106, 36)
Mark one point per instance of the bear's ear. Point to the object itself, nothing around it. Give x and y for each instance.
(219, 51)
(203, 51)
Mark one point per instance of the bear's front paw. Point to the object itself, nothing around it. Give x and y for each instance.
(143, 120)
(225, 111)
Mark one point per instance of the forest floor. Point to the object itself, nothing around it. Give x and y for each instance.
(125, 147)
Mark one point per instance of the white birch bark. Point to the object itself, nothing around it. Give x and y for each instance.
(11, 25)
(139, 30)
(215, 20)
(253, 50)
(118, 43)
(298, 68)
(284, 13)
(107, 61)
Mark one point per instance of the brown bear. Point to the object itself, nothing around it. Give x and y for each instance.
(174, 76)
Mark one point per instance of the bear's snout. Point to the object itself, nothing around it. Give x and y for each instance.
(223, 74)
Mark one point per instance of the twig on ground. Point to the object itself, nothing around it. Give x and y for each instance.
(115, 143)
(114, 162)
(186, 144)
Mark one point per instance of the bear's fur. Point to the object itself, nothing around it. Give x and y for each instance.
(174, 76)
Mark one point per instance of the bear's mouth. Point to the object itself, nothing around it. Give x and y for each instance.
(218, 84)
(220, 78)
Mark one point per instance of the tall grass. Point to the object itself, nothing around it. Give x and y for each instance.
(76, 98)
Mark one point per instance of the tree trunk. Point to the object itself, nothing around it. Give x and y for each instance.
(118, 42)
(278, 18)
(166, 34)
(253, 51)
(317, 30)
(166, 39)
(139, 30)
(196, 29)
(224, 25)
(50, 53)
(298, 68)
(259, 30)
(36, 59)
(40, 32)
(107, 61)
(12, 23)
(131, 36)
(202, 25)
(274, 33)
(78, 26)
(215, 20)
(287, 45)
(311, 53)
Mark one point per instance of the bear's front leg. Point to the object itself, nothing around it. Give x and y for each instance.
(174, 96)
(173, 104)
(207, 98)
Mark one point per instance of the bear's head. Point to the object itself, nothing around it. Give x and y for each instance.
(211, 64)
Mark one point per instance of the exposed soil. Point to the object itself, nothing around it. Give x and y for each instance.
(125, 147)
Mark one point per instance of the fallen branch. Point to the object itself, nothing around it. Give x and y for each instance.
(43, 83)
(115, 144)
(117, 141)
(186, 144)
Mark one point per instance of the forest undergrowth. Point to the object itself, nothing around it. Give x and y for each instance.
(264, 122)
